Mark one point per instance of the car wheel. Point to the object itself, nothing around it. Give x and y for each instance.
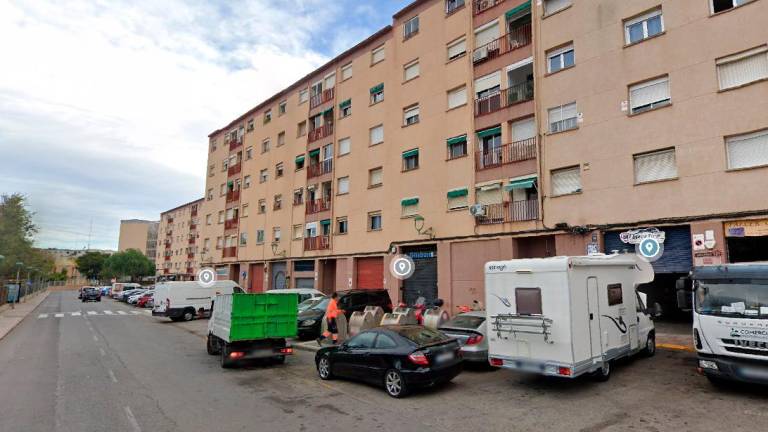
(650, 346)
(279, 359)
(604, 373)
(394, 384)
(211, 346)
(324, 367)
(189, 315)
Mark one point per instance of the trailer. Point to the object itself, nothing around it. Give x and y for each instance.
(252, 326)
(568, 316)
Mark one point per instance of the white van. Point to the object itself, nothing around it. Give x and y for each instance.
(303, 293)
(567, 316)
(119, 287)
(183, 301)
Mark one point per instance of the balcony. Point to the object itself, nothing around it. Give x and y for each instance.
(169, 233)
(321, 132)
(235, 143)
(193, 213)
(230, 224)
(229, 252)
(320, 168)
(515, 39)
(192, 227)
(515, 94)
(515, 211)
(317, 206)
(190, 270)
(481, 6)
(166, 271)
(191, 240)
(321, 98)
(505, 154)
(317, 243)
(191, 255)
(234, 169)
(167, 245)
(233, 195)
(167, 258)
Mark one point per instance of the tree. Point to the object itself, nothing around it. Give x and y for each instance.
(91, 264)
(131, 263)
(17, 231)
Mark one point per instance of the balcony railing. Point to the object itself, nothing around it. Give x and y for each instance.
(318, 206)
(229, 252)
(230, 224)
(190, 270)
(321, 132)
(320, 168)
(234, 169)
(193, 213)
(233, 195)
(516, 38)
(169, 233)
(166, 271)
(321, 98)
(192, 227)
(191, 255)
(505, 154)
(191, 240)
(481, 6)
(317, 243)
(235, 143)
(167, 258)
(167, 245)
(515, 94)
(514, 211)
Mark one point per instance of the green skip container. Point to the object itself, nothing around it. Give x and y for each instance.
(241, 317)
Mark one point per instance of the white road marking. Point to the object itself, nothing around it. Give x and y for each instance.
(95, 339)
(132, 419)
(108, 312)
(42, 316)
(76, 314)
(122, 312)
(59, 315)
(92, 313)
(102, 352)
(112, 376)
(148, 312)
(135, 312)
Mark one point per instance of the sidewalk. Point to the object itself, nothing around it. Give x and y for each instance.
(10, 318)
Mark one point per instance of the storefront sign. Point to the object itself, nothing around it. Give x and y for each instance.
(638, 235)
(708, 257)
(746, 228)
(592, 248)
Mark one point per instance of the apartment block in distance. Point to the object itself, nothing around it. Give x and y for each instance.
(140, 235)
(177, 242)
(469, 132)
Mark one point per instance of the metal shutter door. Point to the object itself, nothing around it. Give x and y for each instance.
(370, 273)
(423, 282)
(677, 249)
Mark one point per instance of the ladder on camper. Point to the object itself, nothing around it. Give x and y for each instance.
(522, 324)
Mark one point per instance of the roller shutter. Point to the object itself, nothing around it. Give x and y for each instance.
(370, 273)
(677, 249)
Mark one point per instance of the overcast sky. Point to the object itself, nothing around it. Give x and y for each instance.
(106, 105)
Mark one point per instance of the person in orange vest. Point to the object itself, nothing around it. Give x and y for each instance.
(331, 312)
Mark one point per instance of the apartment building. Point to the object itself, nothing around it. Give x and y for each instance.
(177, 242)
(140, 235)
(470, 132)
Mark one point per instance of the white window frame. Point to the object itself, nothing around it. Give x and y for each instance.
(371, 133)
(411, 115)
(342, 185)
(555, 172)
(303, 96)
(378, 51)
(643, 19)
(462, 53)
(411, 27)
(560, 52)
(370, 177)
(639, 158)
(346, 72)
(338, 224)
(562, 120)
(348, 141)
(372, 215)
(742, 139)
(653, 105)
(566, 3)
(410, 67)
(735, 3)
(407, 211)
(457, 97)
(761, 50)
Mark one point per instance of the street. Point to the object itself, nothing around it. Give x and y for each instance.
(99, 367)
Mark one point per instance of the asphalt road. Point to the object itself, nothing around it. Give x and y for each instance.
(132, 372)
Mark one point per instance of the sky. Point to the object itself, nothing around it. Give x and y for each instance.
(106, 105)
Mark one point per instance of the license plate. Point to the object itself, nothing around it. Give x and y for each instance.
(444, 357)
(754, 373)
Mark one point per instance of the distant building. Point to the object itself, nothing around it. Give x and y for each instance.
(177, 242)
(139, 234)
(64, 261)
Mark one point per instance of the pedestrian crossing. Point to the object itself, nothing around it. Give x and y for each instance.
(92, 313)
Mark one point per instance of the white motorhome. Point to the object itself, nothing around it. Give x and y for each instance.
(567, 316)
(183, 301)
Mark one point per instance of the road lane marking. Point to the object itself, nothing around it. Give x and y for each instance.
(112, 376)
(102, 352)
(132, 419)
(108, 312)
(76, 314)
(42, 316)
(95, 339)
(122, 312)
(92, 313)
(59, 315)
(135, 312)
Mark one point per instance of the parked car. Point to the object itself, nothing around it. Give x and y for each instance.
(127, 294)
(134, 298)
(306, 304)
(356, 300)
(90, 294)
(106, 291)
(303, 293)
(119, 287)
(146, 297)
(470, 330)
(398, 357)
(311, 318)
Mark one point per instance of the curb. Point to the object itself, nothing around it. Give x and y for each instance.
(304, 346)
(25, 316)
(674, 347)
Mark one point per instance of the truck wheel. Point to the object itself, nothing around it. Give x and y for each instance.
(226, 362)
(189, 315)
(650, 346)
(604, 373)
(212, 346)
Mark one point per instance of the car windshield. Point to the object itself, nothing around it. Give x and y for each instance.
(465, 322)
(422, 336)
(742, 298)
(306, 304)
(321, 304)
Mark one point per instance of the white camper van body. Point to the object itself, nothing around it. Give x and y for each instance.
(187, 300)
(567, 316)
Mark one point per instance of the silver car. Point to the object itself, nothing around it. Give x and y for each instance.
(470, 330)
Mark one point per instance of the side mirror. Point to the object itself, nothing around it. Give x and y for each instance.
(656, 310)
(684, 300)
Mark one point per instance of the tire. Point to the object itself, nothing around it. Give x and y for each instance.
(394, 384)
(226, 362)
(279, 359)
(650, 345)
(324, 368)
(604, 373)
(189, 315)
(212, 345)
(176, 319)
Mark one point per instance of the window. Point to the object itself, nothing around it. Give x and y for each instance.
(298, 196)
(345, 146)
(655, 166)
(224, 164)
(346, 72)
(208, 219)
(410, 160)
(374, 221)
(649, 95)
(377, 93)
(457, 146)
(411, 115)
(279, 170)
(213, 145)
(566, 181)
(250, 126)
(615, 295)
(745, 151)
(246, 182)
(343, 185)
(723, 5)
(222, 190)
(377, 134)
(281, 139)
(488, 193)
(210, 194)
(263, 174)
(411, 27)
(375, 177)
(299, 162)
(259, 236)
(212, 170)
(244, 211)
(297, 232)
(562, 118)
(528, 301)
(282, 107)
(219, 242)
(453, 5)
(642, 27)
(552, 6)
(457, 49)
(278, 202)
(362, 341)
(221, 216)
(265, 146)
(345, 108)
(243, 238)
(303, 96)
(457, 97)
(301, 129)
(276, 234)
(743, 68)
(411, 70)
(377, 55)
(458, 198)
(560, 58)
(409, 207)
(206, 245)
(262, 206)
(249, 153)
(341, 225)
(267, 116)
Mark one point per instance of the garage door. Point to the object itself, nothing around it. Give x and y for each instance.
(257, 278)
(423, 282)
(677, 249)
(370, 273)
(305, 283)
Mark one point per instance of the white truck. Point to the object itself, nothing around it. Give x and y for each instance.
(730, 321)
(568, 316)
(183, 301)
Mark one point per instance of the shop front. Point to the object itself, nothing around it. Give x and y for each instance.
(747, 240)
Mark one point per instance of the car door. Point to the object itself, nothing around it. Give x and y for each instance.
(384, 350)
(358, 355)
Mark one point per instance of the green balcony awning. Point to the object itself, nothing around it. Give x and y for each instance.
(325, 222)
(328, 111)
(378, 88)
(457, 140)
(516, 10)
(521, 184)
(409, 202)
(229, 183)
(345, 104)
(410, 153)
(299, 159)
(314, 153)
(489, 132)
(456, 193)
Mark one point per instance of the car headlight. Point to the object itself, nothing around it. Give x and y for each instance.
(308, 322)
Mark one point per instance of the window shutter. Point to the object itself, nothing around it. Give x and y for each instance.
(377, 55)
(412, 71)
(457, 48)
(487, 35)
(343, 185)
(655, 166)
(551, 6)
(523, 129)
(330, 81)
(748, 150)
(487, 195)
(743, 68)
(566, 181)
(487, 82)
(377, 135)
(649, 92)
(345, 145)
(346, 72)
(376, 177)
(457, 97)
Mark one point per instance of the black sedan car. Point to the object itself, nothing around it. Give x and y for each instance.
(310, 319)
(90, 294)
(399, 358)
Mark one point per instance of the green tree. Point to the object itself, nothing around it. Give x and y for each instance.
(91, 264)
(17, 231)
(131, 264)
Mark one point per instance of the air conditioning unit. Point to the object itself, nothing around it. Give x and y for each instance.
(477, 210)
(479, 54)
